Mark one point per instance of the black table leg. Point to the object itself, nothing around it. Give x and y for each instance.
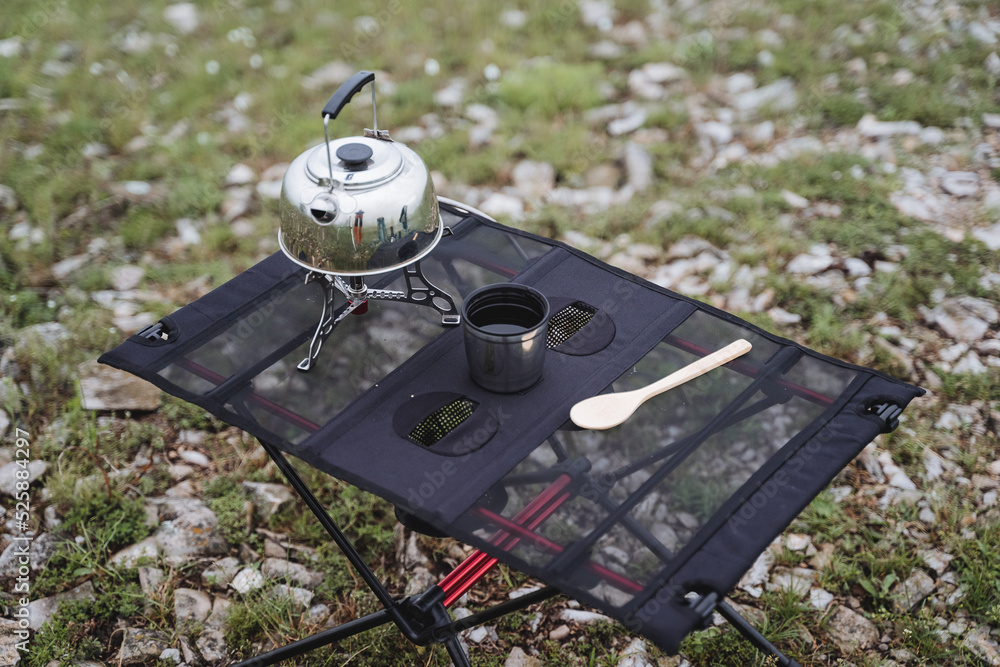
(327, 522)
(456, 652)
(318, 640)
(752, 634)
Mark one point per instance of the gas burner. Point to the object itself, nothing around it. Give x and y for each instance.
(419, 291)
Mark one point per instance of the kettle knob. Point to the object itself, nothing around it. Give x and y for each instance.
(354, 156)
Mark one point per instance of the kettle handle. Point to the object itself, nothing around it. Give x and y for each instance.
(346, 91)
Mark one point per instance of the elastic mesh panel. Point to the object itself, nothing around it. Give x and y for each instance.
(564, 324)
(442, 421)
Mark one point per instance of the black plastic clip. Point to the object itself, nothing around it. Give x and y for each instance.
(888, 412)
(704, 605)
(159, 333)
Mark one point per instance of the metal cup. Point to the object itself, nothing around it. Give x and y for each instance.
(505, 330)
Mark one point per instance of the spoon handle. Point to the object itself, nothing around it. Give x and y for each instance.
(607, 410)
(693, 370)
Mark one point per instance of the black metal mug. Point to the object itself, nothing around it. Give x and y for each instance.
(506, 326)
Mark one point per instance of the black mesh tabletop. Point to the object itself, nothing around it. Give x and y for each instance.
(680, 498)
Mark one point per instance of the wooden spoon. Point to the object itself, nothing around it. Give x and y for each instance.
(607, 410)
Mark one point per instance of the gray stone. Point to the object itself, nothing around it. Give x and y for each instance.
(240, 174)
(990, 236)
(992, 120)
(196, 458)
(106, 388)
(268, 498)
(452, 94)
(808, 265)
(758, 574)
(533, 180)
(318, 613)
(583, 617)
(212, 644)
(718, 133)
(518, 658)
(872, 128)
(627, 124)
(191, 608)
(820, 598)
(664, 72)
(220, 612)
(40, 611)
(857, 268)
(779, 96)
(128, 277)
(188, 530)
(908, 594)
(960, 183)
(11, 47)
(979, 642)
(966, 319)
(740, 82)
(500, 205)
(172, 655)
(246, 580)
(11, 557)
(795, 580)
(932, 136)
(992, 64)
(895, 475)
(761, 133)
(64, 268)
(299, 597)
(221, 572)
(782, 316)
(49, 334)
(560, 633)
(4, 423)
(9, 655)
(130, 556)
(183, 16)
(851, 631)
(794, 200)
(638, 167)
(982, 33)
(150, 579)
(278, 568)
(9, 474)
(43, 547)
(634, 655)
(141, 645)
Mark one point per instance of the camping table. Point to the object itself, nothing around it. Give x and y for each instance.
(653, 521)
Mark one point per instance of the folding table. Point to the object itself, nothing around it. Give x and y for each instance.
(653, 521)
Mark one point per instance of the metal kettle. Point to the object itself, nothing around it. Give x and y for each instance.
(357, 206)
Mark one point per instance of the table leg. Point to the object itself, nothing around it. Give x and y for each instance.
(318, 640)
(327, 522)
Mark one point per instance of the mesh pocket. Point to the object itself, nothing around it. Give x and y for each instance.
(441, 422)
(567, 322)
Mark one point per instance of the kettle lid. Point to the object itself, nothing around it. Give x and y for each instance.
(357, 163)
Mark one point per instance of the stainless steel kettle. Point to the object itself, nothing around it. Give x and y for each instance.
(357, 206)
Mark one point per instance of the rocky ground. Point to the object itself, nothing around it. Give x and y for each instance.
(826, 170)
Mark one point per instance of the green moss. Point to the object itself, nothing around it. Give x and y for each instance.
(553, 88)
(141, 228)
